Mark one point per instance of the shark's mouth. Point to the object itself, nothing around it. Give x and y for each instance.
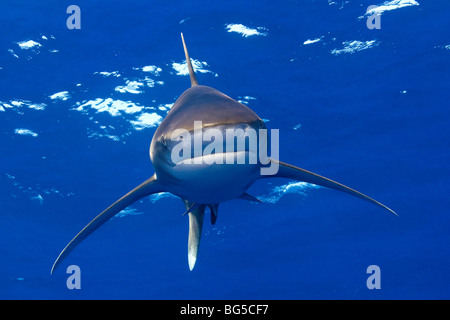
(232, 158)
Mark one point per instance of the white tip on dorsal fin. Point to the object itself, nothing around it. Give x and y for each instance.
(189, 64)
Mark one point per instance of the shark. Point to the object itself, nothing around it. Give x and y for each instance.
(205, 180)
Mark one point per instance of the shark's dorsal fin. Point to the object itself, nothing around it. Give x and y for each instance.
(189, 64)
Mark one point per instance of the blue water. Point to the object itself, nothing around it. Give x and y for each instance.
(368, 108)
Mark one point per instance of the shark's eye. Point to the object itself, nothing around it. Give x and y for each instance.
(163, 141)
(180, 138)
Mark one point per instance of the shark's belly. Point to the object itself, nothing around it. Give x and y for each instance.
(214, 178)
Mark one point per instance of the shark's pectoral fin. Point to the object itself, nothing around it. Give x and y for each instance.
(289, 171)
(195, 231)
(146, 188)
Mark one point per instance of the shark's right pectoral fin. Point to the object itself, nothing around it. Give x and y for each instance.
(196, 215)
(146, 188)
(289, 171)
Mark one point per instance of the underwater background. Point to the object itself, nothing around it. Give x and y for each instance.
(364, 106)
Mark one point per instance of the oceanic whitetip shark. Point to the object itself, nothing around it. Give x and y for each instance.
(199, 183)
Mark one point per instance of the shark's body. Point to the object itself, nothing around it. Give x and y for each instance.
(202, 185)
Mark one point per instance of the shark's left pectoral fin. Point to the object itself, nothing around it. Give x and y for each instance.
(196, 215)
(289, 171)
(146, 188)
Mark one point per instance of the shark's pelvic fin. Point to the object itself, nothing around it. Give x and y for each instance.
(192, 206)
(195, 231)
(246, 196)
(146, 188)
(214, 211)
(189, 64)
(289, 171)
